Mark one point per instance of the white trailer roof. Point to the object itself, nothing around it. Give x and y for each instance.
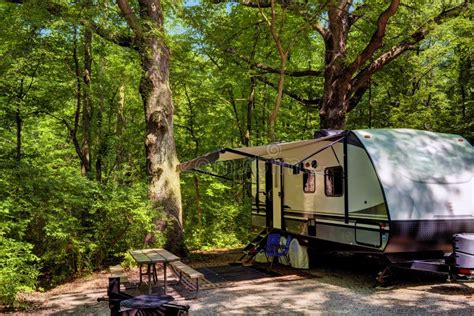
(424, 175)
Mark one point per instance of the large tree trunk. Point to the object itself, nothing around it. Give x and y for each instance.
(161, 158)
(335, 100)
(334, 105)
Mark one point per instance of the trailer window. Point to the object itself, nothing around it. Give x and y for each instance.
(333, 181)
(309, 181)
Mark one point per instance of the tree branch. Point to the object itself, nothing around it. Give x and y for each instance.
(357, 96)
(384, 59)
(380, 62)
(269, 69)
(296, 7)
(343, 5)
(129, 16)
(320, 29)
(236, 114)
(56, 9)
(120, 39)
(356, 14)
(294, 96)
(377, 38)
(72, 134)
(248, 3)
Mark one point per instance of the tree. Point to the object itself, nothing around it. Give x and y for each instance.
(148, 40)
(161, 158)
(347, 73)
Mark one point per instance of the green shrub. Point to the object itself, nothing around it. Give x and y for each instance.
(71, 224)
(18, 269)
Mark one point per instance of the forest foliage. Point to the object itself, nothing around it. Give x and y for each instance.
(57, 223)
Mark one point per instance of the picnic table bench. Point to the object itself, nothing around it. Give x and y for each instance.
(117, 272)
(181, 269)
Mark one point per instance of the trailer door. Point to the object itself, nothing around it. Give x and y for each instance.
(277, 196)
(268, 194)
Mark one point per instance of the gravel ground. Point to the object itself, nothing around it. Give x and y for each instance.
(336, 294)
(336, 285)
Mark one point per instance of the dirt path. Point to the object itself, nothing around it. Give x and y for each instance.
(335, 286)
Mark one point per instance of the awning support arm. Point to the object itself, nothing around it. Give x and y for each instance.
(211, 174)
(322, 149)
(334, 152)
(273, 161)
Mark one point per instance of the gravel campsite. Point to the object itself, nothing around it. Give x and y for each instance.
(336, 285)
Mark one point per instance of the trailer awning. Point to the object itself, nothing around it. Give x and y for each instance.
(271, 151)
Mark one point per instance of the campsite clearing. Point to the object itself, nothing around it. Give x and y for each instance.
(337, 285)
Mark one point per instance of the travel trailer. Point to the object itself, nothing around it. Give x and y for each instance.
(400, 193)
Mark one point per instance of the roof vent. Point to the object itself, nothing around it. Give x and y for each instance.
(327, 132)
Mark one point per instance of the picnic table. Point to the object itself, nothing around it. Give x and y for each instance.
(151, 257)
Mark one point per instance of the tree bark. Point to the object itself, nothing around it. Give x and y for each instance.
(120, 111)
(22, 92)
(337, 76)
(465, 80)
(236, 114)
(86, 164)
(101, 139)
(77, 114)
(19, 125)
(120, 125)
(273, 115)
(248, 134)
(161, 159)
(250, 108)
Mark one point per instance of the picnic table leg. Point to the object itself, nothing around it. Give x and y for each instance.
(149, 278)
(155, 277)
(140, 274)
(164, 268)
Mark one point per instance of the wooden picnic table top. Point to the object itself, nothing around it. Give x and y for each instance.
(155, 255)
